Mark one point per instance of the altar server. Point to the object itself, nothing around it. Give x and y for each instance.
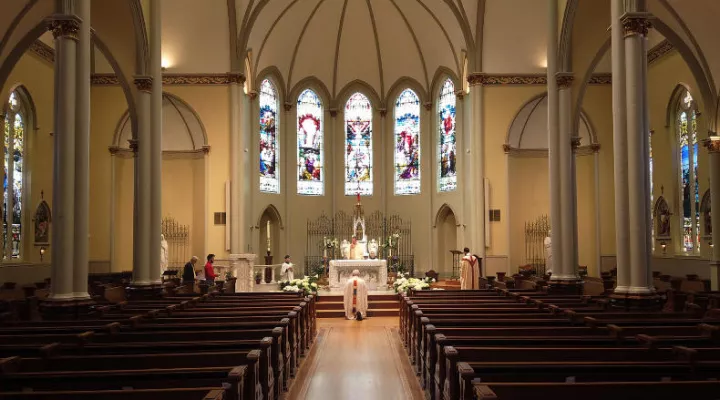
(287, 269)
(469, 271)
(356, 297)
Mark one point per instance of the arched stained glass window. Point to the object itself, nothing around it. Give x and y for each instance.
(358, 146)
(447, 151)
(311, 173)
(14, 150)
(269, 127)
(407, 143)
(689, 187)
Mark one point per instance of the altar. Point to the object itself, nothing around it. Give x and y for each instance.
(374, 272)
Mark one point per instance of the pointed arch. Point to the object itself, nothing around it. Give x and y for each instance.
(273, 212)
(442, 213)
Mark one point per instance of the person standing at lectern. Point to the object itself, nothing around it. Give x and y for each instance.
(355, 297)
(469, 271)
(287, 269)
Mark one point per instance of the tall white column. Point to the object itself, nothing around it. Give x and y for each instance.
(238, 225)
(554, 142)
(82, 153)
(636, 26)
(65, 30)
(567, 178)
(155, 219)
(10, 200)
(477, 158)
(141, 237)
(713, 146)
(620, 154)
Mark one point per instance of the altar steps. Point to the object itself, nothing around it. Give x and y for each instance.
(380, 305)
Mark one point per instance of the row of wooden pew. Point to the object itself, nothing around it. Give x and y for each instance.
(240, 346)
(526, 344)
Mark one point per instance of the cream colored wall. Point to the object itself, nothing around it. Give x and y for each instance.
(663, 77)
(37, 77)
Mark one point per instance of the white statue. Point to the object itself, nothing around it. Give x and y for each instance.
(548, 253)
(372, 248)
(163, 254)
(345, 249)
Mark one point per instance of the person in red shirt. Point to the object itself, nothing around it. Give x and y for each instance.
(209, 270)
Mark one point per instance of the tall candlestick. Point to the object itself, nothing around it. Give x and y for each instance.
(267, 227)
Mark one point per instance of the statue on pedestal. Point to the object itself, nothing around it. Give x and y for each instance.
(373, 249)
(345, 250)
(548, 253)
(163, 254)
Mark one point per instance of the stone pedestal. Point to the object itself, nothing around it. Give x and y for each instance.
(374, 272)
(631, 302)
(243, 269)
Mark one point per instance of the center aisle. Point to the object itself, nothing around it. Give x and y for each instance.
(356, 360)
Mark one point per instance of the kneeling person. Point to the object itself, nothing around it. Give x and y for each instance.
(356, 297)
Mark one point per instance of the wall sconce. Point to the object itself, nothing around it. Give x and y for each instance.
(664, 246)
(711, 244)
(42, 253)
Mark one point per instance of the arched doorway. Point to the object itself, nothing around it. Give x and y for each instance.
(446, 240)
(268, 237)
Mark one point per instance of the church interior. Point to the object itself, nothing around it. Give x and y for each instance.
(509, 178)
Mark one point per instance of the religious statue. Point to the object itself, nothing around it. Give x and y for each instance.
(662, 215)
(345, 249)
(163, 254)
(548, 253)
(42, 222)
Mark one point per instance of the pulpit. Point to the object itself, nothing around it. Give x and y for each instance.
(373, 272)
(242, 266)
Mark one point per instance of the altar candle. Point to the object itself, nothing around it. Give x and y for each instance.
(267, 229)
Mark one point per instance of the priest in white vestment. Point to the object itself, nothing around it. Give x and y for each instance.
(355, 297)
(469, 271)
(287, 270)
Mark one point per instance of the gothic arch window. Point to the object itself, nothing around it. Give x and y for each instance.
(269, 128)
(407, 143)
(447, 150)
(311, 172)
(686, 122)
(358, 146)
(15, 126)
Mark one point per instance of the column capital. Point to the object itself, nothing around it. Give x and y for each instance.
(288, 106)
(133, 143)
(575, 142)
(333, 112)
(65, 26)
(636, 23)
(143, 83)
(476, 78)
(383, 112)
(712, 143)
(459, 94)
(236, 77)
(428, 105)
(252, 94)
(564, 80)
(595, 147)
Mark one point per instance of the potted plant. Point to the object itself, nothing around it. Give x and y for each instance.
(258, 278)
(230, 282)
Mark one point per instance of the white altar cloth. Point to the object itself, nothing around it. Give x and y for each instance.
(374, 272)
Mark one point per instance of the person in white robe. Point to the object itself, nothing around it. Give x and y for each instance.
(469, 271)
(355, 297)
(287, 270)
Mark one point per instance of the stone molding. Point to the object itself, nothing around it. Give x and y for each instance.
(143, 83)
(178, 79)
(67, 27)
(564, 80)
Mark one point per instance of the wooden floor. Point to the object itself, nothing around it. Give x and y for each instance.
(356, 360)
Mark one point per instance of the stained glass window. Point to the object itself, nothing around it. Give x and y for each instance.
(407, 143)
(310, 144)
(689, 183)
(14, 146)
(447, 151)
(269, 125)
(358, 146)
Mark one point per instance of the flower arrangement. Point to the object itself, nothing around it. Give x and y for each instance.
(392, 241)
(330, 243)
(405, 283)
(308, 285)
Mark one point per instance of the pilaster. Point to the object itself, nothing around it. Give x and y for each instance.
(713, 146)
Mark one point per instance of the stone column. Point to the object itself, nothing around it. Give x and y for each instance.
(636, 25)
(713, 146)
(82, 154)
(620, 154)
(474, 164)
(238, 224)
(141, 237)
(10, 200)
(567, 141)
(155, 149)
(554, 143)
(243, 266)
(65, 30)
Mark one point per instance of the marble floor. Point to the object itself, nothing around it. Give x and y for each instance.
(353, 360)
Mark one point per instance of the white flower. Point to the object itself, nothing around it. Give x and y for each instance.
(314, 284)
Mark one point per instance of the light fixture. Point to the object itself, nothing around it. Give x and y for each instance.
(42, 253)
(165, 63)
(711, 244)
(664, 246)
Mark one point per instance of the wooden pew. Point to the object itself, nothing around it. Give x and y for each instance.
(697, 390)
(207, 393)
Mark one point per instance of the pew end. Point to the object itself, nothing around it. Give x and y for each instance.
(483, 392)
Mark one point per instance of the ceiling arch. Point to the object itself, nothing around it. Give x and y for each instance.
(342, 41)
